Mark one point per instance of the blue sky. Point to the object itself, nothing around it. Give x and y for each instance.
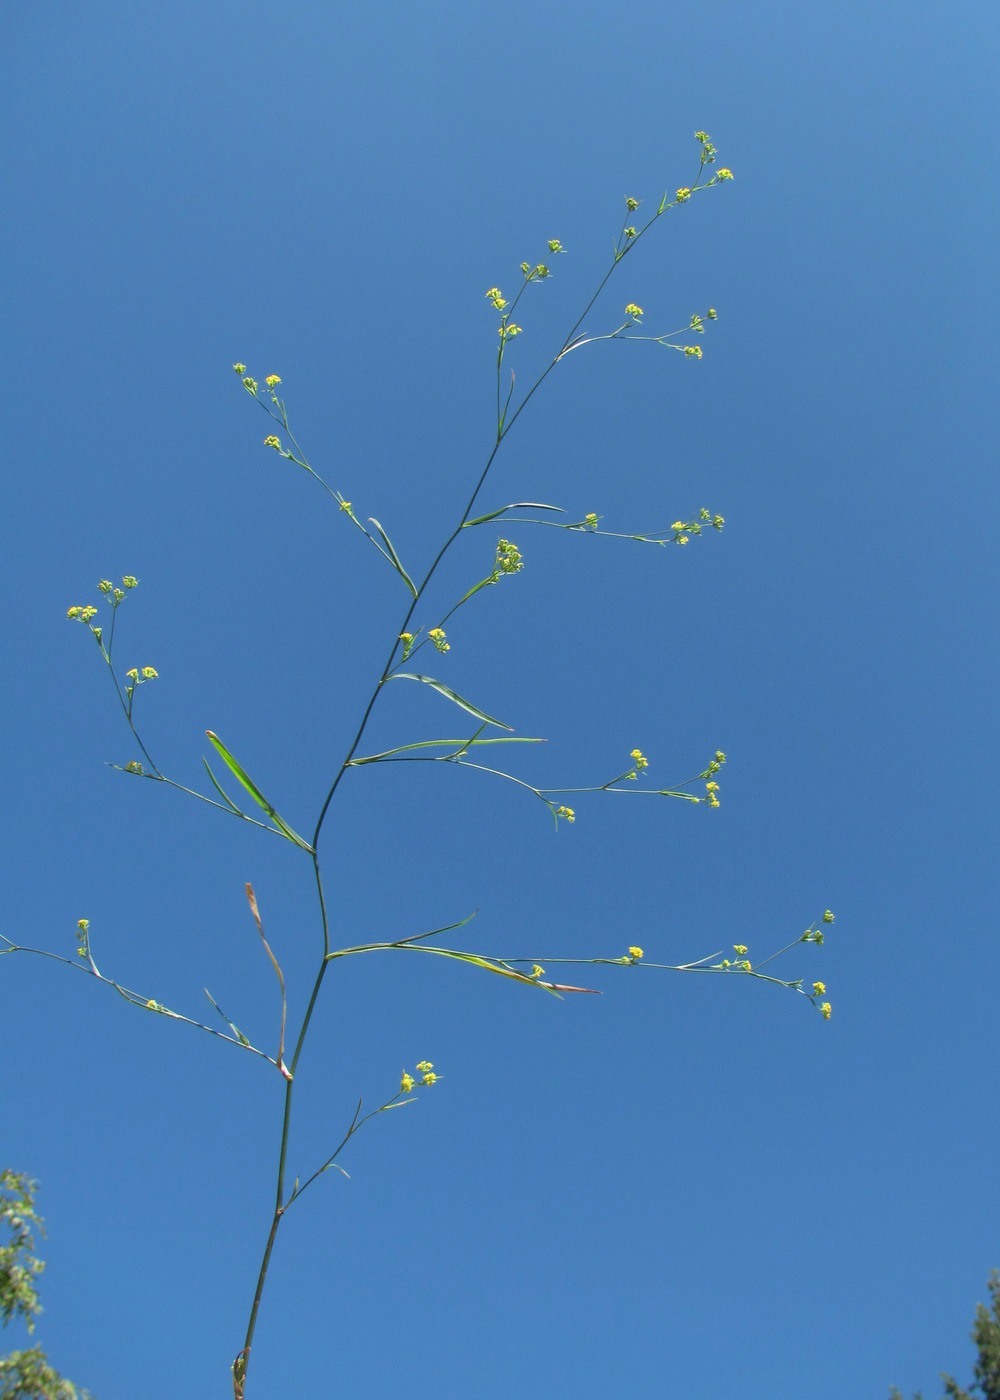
(688, 1187)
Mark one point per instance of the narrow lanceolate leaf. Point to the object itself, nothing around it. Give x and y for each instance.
(483, 583)
(438, 743)
(503, 970)
(254, 791)
(397, 565)
(516, 505)
(224, 795)
(235, 1029)
(450, 695)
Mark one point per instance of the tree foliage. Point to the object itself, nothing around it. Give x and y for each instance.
(986, 1372)
(24, 1375)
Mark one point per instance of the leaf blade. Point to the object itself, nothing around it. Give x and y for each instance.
(394, 557)
(515, 505)
(246, 781)
(451, 695)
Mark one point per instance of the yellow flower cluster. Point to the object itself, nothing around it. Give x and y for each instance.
(508, 560)
(437, 636)
(566, 813)
(427, 1076)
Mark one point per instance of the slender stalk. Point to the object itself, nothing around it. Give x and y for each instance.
(241, 1364)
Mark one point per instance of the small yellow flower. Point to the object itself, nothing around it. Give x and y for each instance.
(683, 195)
(132, 675)
(825, 1010)
(828, 917)
(437, 636)
(819, 988)
(639, 758)
(633, 310)
(152, 1006)
(272, 379)
(677, 525)
(635, 953)
(424, 1066)
(740, 948)
(83, 925)
(508, 560)
(725, 173)
(631, 204)
(555, 246)
(406, 638)
(508, 332)
(711, 787)
(129, 581)
(134, 767)
(630, 233)
(346, 505)
(590, 521)
(74, 613)
(720, 756)
(693, 352)
(566, 813)
(536, 972)
(149, 673)
(496, 297)
(406, 1083)
(712, 314)
(272, 441)
(105, 585)
(430, 1078)
(240, 369)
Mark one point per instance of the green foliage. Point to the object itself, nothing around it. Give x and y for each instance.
(27, 1375)
(986, 1335)
(19, 1267)
(24, 1375)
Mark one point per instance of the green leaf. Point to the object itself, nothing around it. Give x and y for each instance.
(493, 578)
(503, 969)
(225, 796)
(449, 694)
(394, 557)
(517, 505)
(235, 1029)
(254, 791)
(438, 743)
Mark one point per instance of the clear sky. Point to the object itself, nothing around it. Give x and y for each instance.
(688, 1187)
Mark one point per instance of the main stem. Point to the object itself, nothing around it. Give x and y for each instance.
(242, 1362)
